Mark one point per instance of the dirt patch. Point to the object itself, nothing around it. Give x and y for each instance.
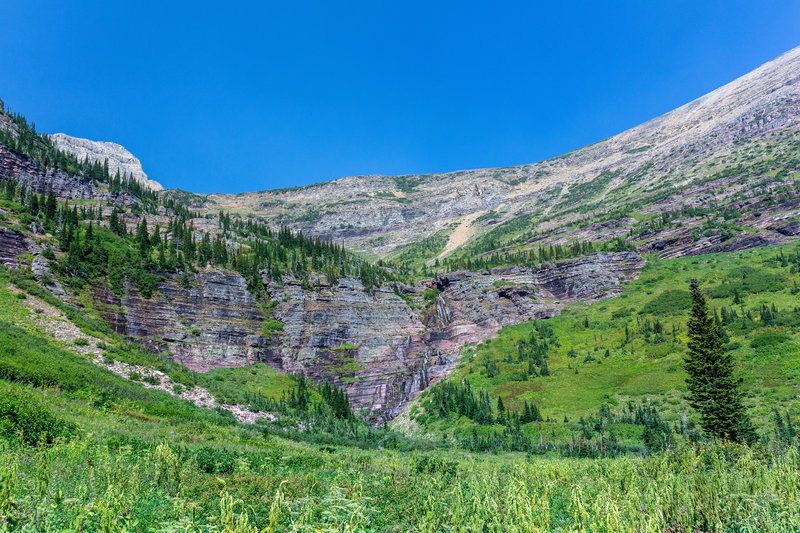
(463, 232)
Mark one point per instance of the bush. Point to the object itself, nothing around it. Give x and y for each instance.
(769, 338)
(621, 313)
(215, 460)
(428, 464)
(749, 281)
(670, 302)
(270, 326)
(22, 415)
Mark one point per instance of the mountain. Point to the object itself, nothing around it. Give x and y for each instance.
(393, 277)
(178, 362)
(721, 150)
(119, 159)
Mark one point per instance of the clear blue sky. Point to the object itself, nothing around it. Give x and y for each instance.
(226, 96)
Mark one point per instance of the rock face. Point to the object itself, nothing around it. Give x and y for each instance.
(65, 186)
(34, 177)
(214, 322)
(375, 345)
(119, 159)
(12, 245)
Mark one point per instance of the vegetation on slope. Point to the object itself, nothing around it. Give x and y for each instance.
(592, 369)
(242, 244)
(85, 450)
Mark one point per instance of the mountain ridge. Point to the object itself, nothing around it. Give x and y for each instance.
(381, 214)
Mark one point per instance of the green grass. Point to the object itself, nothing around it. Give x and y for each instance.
(583, 378)
(126, 473)
(31, 359)
(82, 449)
(235, 383)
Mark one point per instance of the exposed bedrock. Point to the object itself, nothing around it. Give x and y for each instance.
(383, 352)
(65, 186)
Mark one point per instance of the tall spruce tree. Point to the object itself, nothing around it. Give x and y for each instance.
(713, 387)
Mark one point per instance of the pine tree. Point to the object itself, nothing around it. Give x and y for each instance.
(713, 388)
(50, 206)
(143, 239)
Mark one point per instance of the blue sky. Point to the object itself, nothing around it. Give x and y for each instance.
(237, 96)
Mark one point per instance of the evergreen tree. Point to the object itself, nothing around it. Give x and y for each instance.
(143, 239)
(50, 206)
(713, 388)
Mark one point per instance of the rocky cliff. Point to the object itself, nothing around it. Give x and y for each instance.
(66, 186)
(375, 345)
(119, 159)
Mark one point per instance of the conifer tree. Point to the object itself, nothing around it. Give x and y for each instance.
(50, 206)
(713, 388)
(143, 239)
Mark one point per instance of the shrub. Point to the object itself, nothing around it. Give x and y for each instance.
(270, 326)
(215, 460)
(81, 342)
(769, 338)
(749, 280)
(22, 415)
(669, 302)
(429, 296)
(621, 313)
(428, 464)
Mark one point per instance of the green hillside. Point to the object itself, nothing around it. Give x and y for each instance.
(604, 357)
(84, 449)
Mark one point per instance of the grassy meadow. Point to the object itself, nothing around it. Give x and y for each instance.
(84, 449)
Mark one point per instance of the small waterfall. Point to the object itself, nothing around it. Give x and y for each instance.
(442, 313)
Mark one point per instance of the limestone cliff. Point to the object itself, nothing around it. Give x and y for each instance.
(119, 159)
(66, 186)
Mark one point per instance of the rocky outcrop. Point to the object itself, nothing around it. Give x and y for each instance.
(119, 159)
(210, 323)
(373, 344)
(12, 245)
(34, 177)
